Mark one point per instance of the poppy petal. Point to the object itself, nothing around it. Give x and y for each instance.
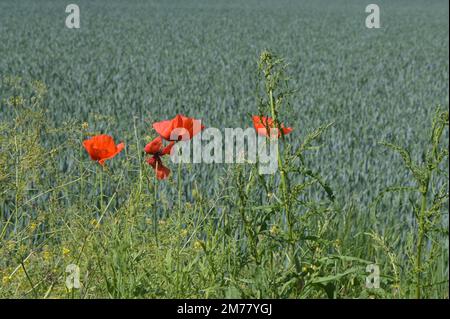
(179, 128)
(166, 150)
(164, 128)
(154, 146)
(261, 122)
(257, 122)
(262, 131)
(88, 146)
(117, 150)
(102, 147)
(152, 161)
(287, 130)
(161, 171)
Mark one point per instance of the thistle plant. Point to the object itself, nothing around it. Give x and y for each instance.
(431, 200)
(282, 196)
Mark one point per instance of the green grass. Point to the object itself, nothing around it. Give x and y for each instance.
(135, 63)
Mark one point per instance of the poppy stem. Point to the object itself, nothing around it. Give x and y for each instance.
(155, 216)
(179, 191)
(81, 174)
(100, 176)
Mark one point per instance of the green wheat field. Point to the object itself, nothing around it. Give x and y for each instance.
(357, 209)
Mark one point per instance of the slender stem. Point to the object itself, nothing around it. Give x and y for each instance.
(179, 192)
(280, 162)
(138, 147)
(155, 216)
(100, 175)
(29, 279)
(81, 174)
(284, 189)
(16, 206)
(180, 224)
(420, 244)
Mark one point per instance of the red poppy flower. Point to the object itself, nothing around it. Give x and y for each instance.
(261, 123)
(162, 172)
(102, 148)
(180, 125)
(156, 149)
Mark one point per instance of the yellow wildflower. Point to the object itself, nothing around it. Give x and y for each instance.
(33, 226)
(65, 251)
(198, 245)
